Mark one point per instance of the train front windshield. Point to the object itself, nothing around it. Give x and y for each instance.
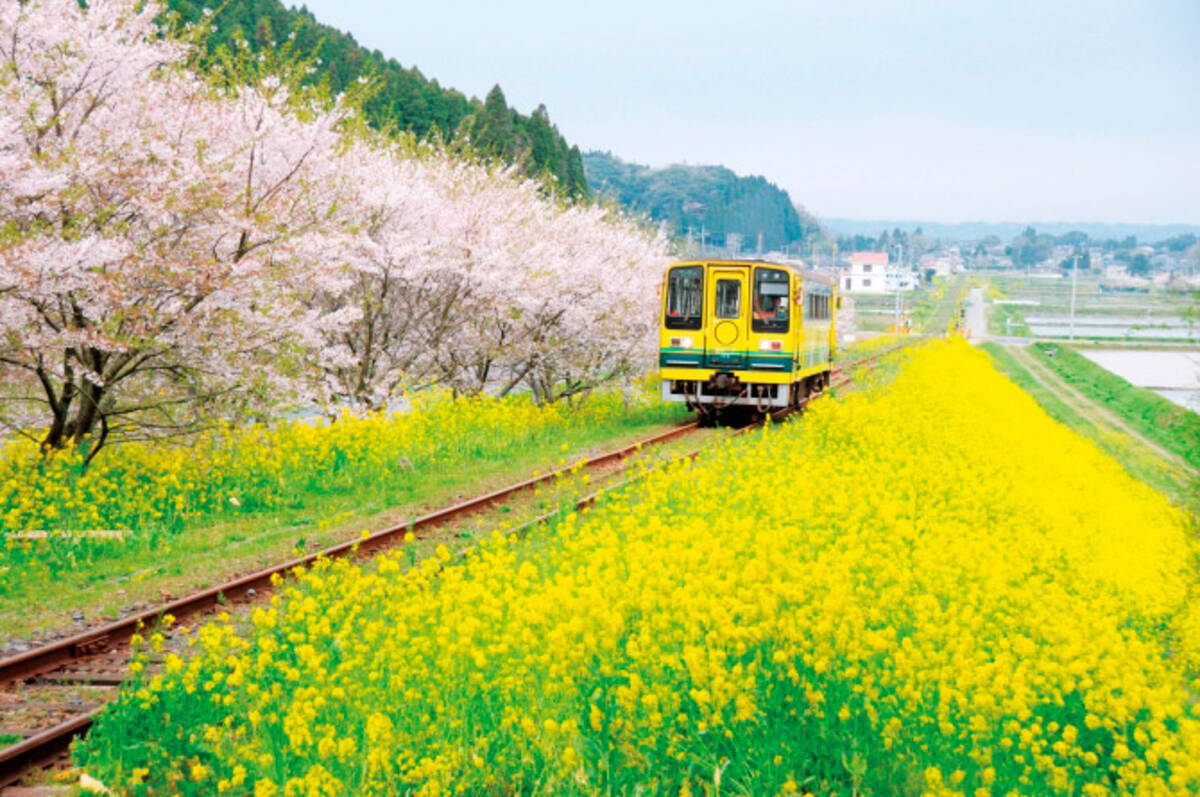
(685, 297)
(770, 300)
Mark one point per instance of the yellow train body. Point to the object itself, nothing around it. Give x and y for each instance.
(744, 332)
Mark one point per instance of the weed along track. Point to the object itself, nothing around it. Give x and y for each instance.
(43, 685)
(99, 657)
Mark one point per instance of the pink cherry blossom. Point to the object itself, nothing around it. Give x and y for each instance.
(175, 252)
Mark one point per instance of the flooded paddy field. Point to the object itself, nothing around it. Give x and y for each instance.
(1119, 327)
(1173, 374)
(1038, 306)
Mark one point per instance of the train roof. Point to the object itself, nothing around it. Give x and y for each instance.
(806, 273)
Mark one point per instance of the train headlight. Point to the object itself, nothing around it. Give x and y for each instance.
(770, 345)
(681, 343)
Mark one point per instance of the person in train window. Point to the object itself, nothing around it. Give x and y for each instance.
(765, 307)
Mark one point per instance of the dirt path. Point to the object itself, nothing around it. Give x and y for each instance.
(1091, 410)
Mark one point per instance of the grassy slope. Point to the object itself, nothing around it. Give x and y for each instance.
(1167, 424)
(998, 321)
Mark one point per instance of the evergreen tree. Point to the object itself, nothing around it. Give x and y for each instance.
(405, 99)
(493, 132)
(712, 198)
(577, 181)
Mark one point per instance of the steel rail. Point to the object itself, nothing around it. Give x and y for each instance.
(45, 747)
(42, 749)
(83, 645)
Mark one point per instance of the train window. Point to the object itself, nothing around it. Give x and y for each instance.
(816, 307)
(685, 297)
(729, 298)
(770, 300)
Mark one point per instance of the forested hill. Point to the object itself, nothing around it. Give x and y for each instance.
(711, 199)
(407, 98)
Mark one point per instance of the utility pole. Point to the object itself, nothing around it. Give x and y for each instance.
(900, 262)
(1074, 272)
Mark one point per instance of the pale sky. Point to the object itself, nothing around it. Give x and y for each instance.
(1015, 110)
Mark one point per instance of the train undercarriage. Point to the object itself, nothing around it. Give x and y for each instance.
(724, 398)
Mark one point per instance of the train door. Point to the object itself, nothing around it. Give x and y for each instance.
(728, 326)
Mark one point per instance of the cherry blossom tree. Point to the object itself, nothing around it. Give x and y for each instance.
(400, 290)
(177, 247)
(578, 305)
(470, 275)
(610, 298)
(153, 227)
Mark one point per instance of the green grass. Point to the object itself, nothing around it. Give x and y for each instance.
(936, 310)
(929, 308)
(1171, 426)
(1136, 460)
(998, 321)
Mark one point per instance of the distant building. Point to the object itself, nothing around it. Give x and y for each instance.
(870, 272)
(943, 265)
(866, 273)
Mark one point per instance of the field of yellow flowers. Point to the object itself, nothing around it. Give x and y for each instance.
(149, 491)
(925, 587)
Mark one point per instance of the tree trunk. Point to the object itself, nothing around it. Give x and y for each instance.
(87, 417)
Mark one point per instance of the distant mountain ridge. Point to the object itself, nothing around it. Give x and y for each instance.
(711, 201)
(1005, 230)
(406, 98)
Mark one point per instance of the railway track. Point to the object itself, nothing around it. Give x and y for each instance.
(98, 657)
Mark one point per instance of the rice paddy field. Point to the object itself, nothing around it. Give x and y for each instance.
(923, 587)
(1038, 305)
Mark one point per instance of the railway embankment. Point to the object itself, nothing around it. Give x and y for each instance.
(1156, 440)
(143, 525)
(66, 681)
(926, 611)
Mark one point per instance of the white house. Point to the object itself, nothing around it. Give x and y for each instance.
(870, 272)
(943, 265)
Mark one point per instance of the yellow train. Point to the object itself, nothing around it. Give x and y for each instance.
(744, 333)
